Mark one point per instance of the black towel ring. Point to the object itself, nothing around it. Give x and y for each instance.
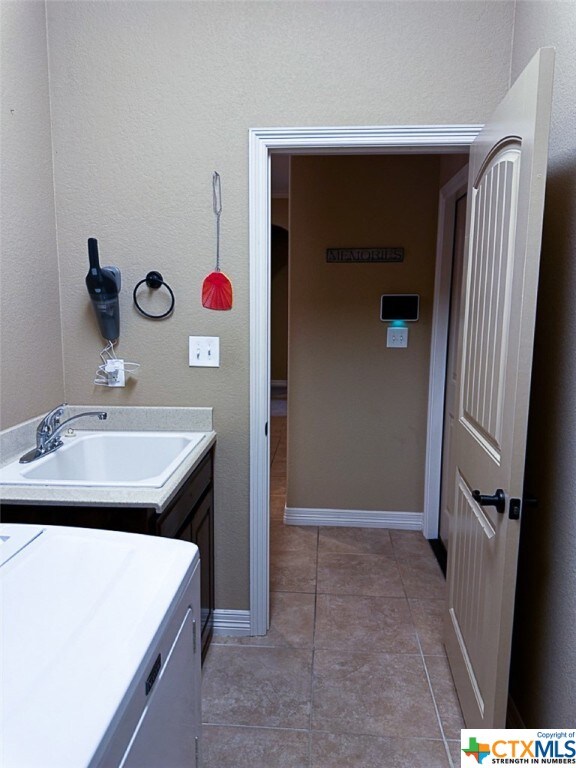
(154, 280)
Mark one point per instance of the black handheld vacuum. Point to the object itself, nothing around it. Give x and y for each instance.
(103, 285)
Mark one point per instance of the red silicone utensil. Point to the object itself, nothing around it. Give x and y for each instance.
(217, 288)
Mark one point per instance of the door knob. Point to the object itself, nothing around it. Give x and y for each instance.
(498, 500)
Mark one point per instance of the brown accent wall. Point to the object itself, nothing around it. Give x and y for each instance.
(279, 303)
(357, 410)
(450, 165)
(280, 211)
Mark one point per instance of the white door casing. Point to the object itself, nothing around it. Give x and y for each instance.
(498, 310)
(445, 139)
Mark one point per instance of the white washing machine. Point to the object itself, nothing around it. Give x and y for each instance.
(99, 649)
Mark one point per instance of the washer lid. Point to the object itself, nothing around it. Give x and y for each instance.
(14, 538)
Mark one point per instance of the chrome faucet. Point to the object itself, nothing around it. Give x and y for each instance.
(49, 430)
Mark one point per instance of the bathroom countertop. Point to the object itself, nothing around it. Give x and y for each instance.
(20, 438)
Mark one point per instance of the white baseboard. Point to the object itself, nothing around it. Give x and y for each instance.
(235, 623)
(354, 518)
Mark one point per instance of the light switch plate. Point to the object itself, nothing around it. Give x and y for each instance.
(397, 337)
(204, 351)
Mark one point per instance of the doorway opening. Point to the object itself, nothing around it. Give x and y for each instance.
(442, 391)
(264, 143)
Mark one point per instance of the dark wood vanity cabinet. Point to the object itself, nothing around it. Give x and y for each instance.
(189, 516)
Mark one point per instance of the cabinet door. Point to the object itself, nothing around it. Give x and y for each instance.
(202, 533)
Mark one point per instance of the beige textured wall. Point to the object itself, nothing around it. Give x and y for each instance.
(148, 98)
(30, 335)
(356, 409)
(544, 655)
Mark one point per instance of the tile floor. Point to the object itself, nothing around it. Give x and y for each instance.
(353, 671)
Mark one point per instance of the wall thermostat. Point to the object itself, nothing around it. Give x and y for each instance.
(399, 306)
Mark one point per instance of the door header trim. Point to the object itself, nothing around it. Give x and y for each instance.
(449, 139)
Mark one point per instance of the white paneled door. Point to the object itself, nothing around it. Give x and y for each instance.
(498, 309)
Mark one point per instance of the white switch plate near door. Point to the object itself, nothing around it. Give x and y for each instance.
(397, 337)
(204, 351)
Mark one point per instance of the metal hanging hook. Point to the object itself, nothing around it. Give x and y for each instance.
(217, 205)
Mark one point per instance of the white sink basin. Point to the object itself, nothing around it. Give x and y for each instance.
(107, 459)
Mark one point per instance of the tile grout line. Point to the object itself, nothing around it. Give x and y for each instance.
(396, 560)
(424, 664)
(255, 727)
(313, 659)
(429, 681)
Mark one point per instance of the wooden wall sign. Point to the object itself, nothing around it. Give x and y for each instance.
(364, 255)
